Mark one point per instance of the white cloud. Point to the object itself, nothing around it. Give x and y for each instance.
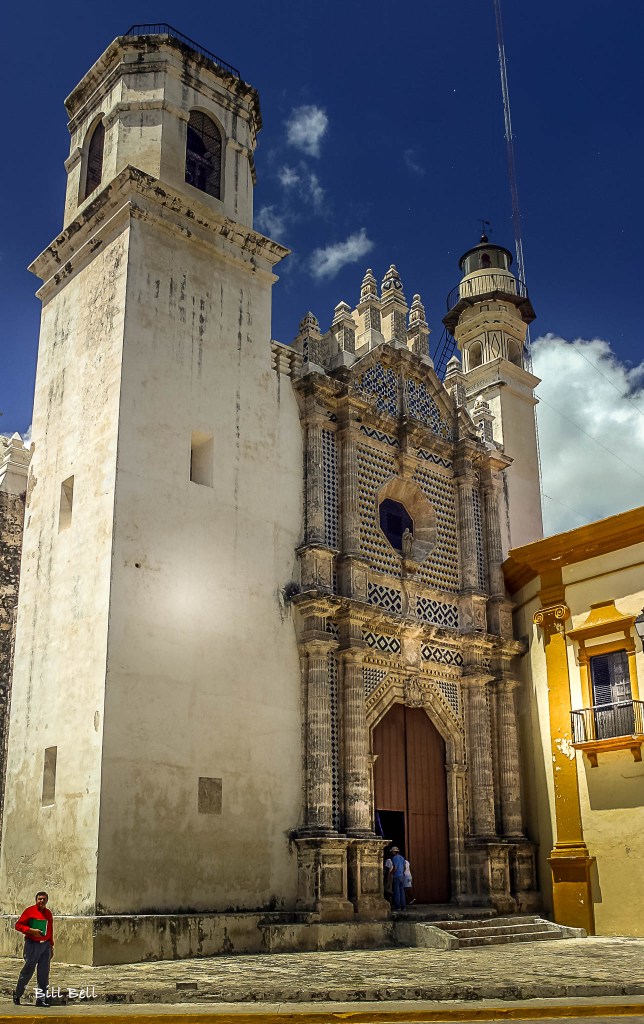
(582, 479)
(306, 128)
(412, 163)
(271, 221)
(316, 193)
(327, 262)
(288, 176)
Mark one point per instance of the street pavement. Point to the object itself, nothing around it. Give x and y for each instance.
(400, 981)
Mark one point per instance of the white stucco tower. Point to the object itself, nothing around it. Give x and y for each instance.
(488, 314)
(154, 756)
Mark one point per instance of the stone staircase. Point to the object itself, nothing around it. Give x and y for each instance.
(462, 933)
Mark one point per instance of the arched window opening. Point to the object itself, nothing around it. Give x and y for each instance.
(475, 356)
(514, 355)
(203, 154)
(95, 160)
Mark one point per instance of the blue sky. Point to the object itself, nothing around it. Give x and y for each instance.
(401, 153)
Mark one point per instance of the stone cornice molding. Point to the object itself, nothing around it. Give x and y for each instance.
(315, 645)
(133, 193)
(126, 56)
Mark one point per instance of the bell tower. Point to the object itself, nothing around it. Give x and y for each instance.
(149, 627)
(488, 315)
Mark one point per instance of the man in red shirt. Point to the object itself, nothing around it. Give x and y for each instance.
(37, 925)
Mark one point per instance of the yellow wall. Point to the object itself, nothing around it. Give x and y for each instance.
(611, 795)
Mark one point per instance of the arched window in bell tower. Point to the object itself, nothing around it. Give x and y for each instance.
(203, 154)
(94, 172)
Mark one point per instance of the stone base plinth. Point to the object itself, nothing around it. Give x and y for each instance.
(365, 882)
(322, 882)
(126, 939)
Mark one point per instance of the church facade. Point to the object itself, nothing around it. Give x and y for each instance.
(263, 626)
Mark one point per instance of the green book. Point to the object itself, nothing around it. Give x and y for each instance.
(39, 924)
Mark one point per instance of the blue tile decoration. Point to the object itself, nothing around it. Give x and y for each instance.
(436, 459)
(384, 597)
(481, 561)
(439, 613)
(441, 569)
(330, 471)
(441, 655)
(451, 694)
(379, 642)
(375, 467)
(379, 435)
(381, 383)
(422, 406)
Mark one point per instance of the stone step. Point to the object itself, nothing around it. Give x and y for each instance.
(496, 940)
(508, 929)
(492, 922)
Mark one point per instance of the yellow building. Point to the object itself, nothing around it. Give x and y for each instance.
(577, 598)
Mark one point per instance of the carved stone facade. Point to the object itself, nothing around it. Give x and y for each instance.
(425, 624)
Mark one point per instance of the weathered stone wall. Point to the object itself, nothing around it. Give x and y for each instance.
(12, 513)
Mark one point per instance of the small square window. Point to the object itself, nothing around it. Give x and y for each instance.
(49, 776)
(201, 458)
(209, 796)
(66, 504)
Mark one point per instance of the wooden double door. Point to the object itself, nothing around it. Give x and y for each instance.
(411, 797)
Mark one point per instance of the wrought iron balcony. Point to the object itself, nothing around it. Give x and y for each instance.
(163, 29)
(617, 726)
(495, 285)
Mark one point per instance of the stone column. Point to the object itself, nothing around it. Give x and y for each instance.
(314, 481)
(481, 776)
(509, 768)
(319, 793)
(357, 802)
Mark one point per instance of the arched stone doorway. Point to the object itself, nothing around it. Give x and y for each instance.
(410, 789)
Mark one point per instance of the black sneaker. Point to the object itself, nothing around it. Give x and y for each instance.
(15, 997)
(42, 1002)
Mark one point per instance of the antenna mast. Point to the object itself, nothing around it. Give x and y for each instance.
(509, 144)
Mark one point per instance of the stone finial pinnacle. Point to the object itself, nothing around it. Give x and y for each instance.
(341, 311)
(392, 285)
(309, 322)
(369, 287)
(417, 313)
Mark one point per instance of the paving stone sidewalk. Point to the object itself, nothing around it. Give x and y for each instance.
(564, 968)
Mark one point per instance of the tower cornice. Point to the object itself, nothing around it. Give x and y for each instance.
(134, 193)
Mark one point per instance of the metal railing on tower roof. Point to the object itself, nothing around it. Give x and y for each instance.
(163, 29)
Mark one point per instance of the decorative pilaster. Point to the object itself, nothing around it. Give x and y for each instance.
(357, 797)
(467, 532)
(319, 791)
(457, 800)
(314, 475)
(350, 504)
(481, 776)
(570, 861)
(508, 753)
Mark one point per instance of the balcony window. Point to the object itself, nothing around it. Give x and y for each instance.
(612, 717)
